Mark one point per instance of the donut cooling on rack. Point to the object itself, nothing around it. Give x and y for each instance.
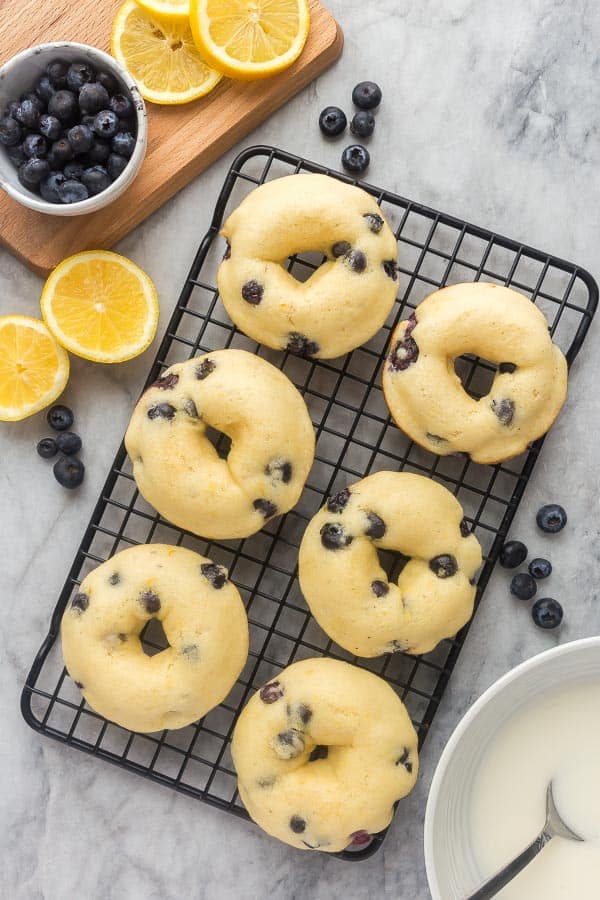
(203, 618)
(344, 302)
(322, 754)
(347, 589)
(425, 395)
(176, 466)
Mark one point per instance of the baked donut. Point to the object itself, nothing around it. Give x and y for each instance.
(203, 618)
(179, 471)
(323, 753)
(345, 302)
(425, 395)
(348, 591)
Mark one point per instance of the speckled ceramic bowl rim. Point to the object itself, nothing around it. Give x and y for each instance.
(504, 683)
(92, 204)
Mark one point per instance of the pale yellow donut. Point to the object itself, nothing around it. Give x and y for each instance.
(203, 618)
(425, 395)
(346, 588)
(178, 470)
(323, 753)
(345, 302)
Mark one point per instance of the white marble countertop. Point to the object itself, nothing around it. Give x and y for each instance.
(492, 112)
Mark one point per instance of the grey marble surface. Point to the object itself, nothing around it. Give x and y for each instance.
(492, 112)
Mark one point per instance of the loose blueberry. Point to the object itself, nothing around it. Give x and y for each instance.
(465, 528)
(252, 292)
(513, 553)
(547, 613)
(523, 586)
(108, 81)
(60, 153)
(507, 368)
(71, 191)
(116, 165)
(50, 185)
(99, 154)
(47, 448)
(204, 369)
(57, 73)
(289, 744)
(271, 692)
(28, 113)
(73, 170)
(301, 345)
(332, 121)
(321, 751)
(357, 261)
(339, 501)
(380, 588)
(93, 97)
(390, 267)
(356, 159)
(96, 179)
(166, 382)
(551, 518)
(279, 470)
(214, 574)
(81, 138)
(50, 127)
(150, 601)
(33, 172)
(334, 536)
(44, 88)
(80, 602)
(106, 124)
(115, 578)
(59, 417)
(540, 568)
(78, 74)
(404, 354)
(504, 410)
(363, 123)
(376, 528)
(35, 146)
(122, 106)
(10, 132)
(68, 442)
(64, 106)
(123, 143)
(69, 471)
(443, 566)
(341, 248)
(297, 824)
(366, 95)
(374, 221)
(265, 508)
(161, 411)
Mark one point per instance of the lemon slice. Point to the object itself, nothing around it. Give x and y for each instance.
(161, 56)
(249, 39)
(171, 10)
(33, 368)
(100, 306)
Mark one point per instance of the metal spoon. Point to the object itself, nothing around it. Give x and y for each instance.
(553, 827)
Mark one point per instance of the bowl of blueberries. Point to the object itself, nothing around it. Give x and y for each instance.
(73, 128)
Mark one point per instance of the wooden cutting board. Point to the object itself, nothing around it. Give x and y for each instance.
(211, 126)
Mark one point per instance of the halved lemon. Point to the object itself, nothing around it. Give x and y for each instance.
(249, 39)
(171, 10)
(33, 368)
(161, 55)
(100, 306)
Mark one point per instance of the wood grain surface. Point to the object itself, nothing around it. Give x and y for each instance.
(212, 125)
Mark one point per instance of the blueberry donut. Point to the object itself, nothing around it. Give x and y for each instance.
(204, 621)
(176, 466)
(348, 591)
(425, 395)
(345, 302)
(323, 753)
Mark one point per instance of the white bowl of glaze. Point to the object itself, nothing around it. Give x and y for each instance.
(450, 863)
(19, 75)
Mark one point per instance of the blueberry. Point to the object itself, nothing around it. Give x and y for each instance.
(302, 712)
(166, 382)
(93, 97)
(334, 536)
(301, 345)
(96, 179)
(271, 692)
(115, 578)
(116, 165)
(69, 471)
(73, 170)
(252, 292)
(390, 267)
(106, 124)
(504, 410)
(363, 124)
(150, 601)
(374, 221)
(215, 574)
(341, 248)
(298, 824)
(547, 613)
(64, 106)
(540, 568)
(404, 354)
(81, 138)
(99, 154)
(227, 254)
(332, 121)
(11, 109)
(60, 153)
(50, 127)
(57, 73)
(161, 411)
(358, 838)
(507, 368)
(380, 588)
(129, 126)
(339, 501)
(59, 417)
(321, 751)
(44, 88)
(47, 448)
(78, 74)
(68, 442)
(28, 113)
(289, 744)
(123, 143)
(72, 191)
(108, 81)
(356, 159)
(551, 518)
(443, 566)
(204, 369)
(88, 120)
(512, 554)
(10, 132)
(33, 171)
(376, 528)
(465, 528)
(366, 95)
(190, 408)
(265, 508)
(404, 760)
(122, 106)
(80, 602)
(34, 146)
(16, 155)
(32, 97)
(357, 261)
(279, 470)
(523, 586)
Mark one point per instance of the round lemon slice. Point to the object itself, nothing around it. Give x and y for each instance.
(249, 39)
(161, 55)
(171, 10)
(100, 306)
(33, 368)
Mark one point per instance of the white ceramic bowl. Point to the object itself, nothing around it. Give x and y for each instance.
(19, 75)
(449, 860)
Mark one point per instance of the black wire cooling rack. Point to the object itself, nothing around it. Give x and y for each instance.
(355, 436)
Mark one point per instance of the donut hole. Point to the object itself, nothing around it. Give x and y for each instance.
(220, 441)
(476, 374)
(153, 638)
(392, 562)
(303, 266)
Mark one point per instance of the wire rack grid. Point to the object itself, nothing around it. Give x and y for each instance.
(355, 437)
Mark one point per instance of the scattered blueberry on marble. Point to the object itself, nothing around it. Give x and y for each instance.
(69, 471)
(59, 417)
(551, 518)
(68, 442)
(512, 554)
(332, 121)
(540, 568)
(523, 586)
(363, 123)
(356, 159)
(47, 448)
(366, 95)
(547, 612)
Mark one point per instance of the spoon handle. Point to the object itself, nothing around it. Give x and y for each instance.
(511, 870)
